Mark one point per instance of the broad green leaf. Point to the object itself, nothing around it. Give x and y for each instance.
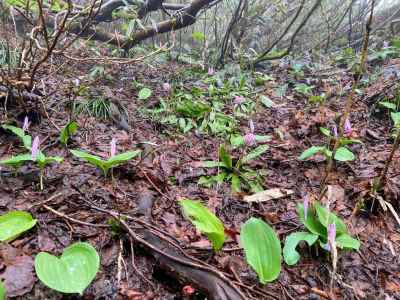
(262, 249)
(121, 158)
(325, 131)
(326, 218)
(388, 105)
(25, 138)
(225, 157)
(344, 154)
(198, 36)
(192, 109)
(2, 291)
(312, 223)
(290, 255)
(311, 151)
(205, 221)
(346, 241)
(396, 118)
(69, 130)
(237, 140)
(16, 161)
(266, 101)
(92, 159)
(72, 272)
(212, 164)
(255, 153)
(235, 183)
(144, 93)
(14, 223)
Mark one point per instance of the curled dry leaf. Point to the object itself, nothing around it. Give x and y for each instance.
(275, 193)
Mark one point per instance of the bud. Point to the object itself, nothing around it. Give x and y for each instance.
(35, 148)
(113, 147)
(166, 87)
(26, 124)
(211, 71)
(347, 127)
(305, 206)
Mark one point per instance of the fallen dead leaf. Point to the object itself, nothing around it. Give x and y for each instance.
(267, 195)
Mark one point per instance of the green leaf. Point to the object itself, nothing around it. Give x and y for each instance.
(225, 157)
(144, 93)
(14, 223)
(72, 272)
(235, 183)
(290, 255)
(25, 139)
(69, 130)
(262, 248)
(255, 153)
(205, 221)
(311, 151)
(325, 131)
(388, 105)
(312, 223)
(16, 161)
(396, 118)
(266, 101)
(326, 217)
(121, 158)
(2, 291)
(346, 241)
(344, 154)
(212, 164)
(92, 159)
(198, 36)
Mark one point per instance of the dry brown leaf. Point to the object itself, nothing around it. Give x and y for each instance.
(267, 195)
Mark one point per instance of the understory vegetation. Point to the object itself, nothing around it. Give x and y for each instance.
(200, 149)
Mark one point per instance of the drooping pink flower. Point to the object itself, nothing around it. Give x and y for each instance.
(166, 87)
(26, 124)
(250, 139)
(113, 147)
(331, 237)
(347, 127)
(211, 71)
(35, 148)
(238, 100)
(305, 206)
(335, 132)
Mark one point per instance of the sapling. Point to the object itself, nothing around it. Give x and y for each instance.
(106, 164)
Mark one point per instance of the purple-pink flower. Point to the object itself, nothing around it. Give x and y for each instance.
(113, 147)
(35, 148)
(331, 237)
(166, 87)
(347, 127)
(305, 206)
(250, 139)
(335, 132)
(211, 71)
(26, 124)
(238, 100)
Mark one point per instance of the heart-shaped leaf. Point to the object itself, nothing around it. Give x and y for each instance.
(205, 221)
(262, 248)
(290, 255)
(344, 154)
(72, 272)
(2, 291)
(14, 223)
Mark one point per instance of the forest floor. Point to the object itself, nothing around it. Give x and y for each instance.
(147, 189)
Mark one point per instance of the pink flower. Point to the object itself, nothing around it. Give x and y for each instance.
(331, 237)
(335, 132)
(166, 87)
(211, 71)
(113, 147)
(35, 148)
(26, 124)
(305, 206)
(250, 139)
(347, 127)
(238, 100)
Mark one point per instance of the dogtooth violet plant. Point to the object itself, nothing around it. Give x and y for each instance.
(343, 153)
(36, 156)
(323, 226)
(106, 164)
(260, 243)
